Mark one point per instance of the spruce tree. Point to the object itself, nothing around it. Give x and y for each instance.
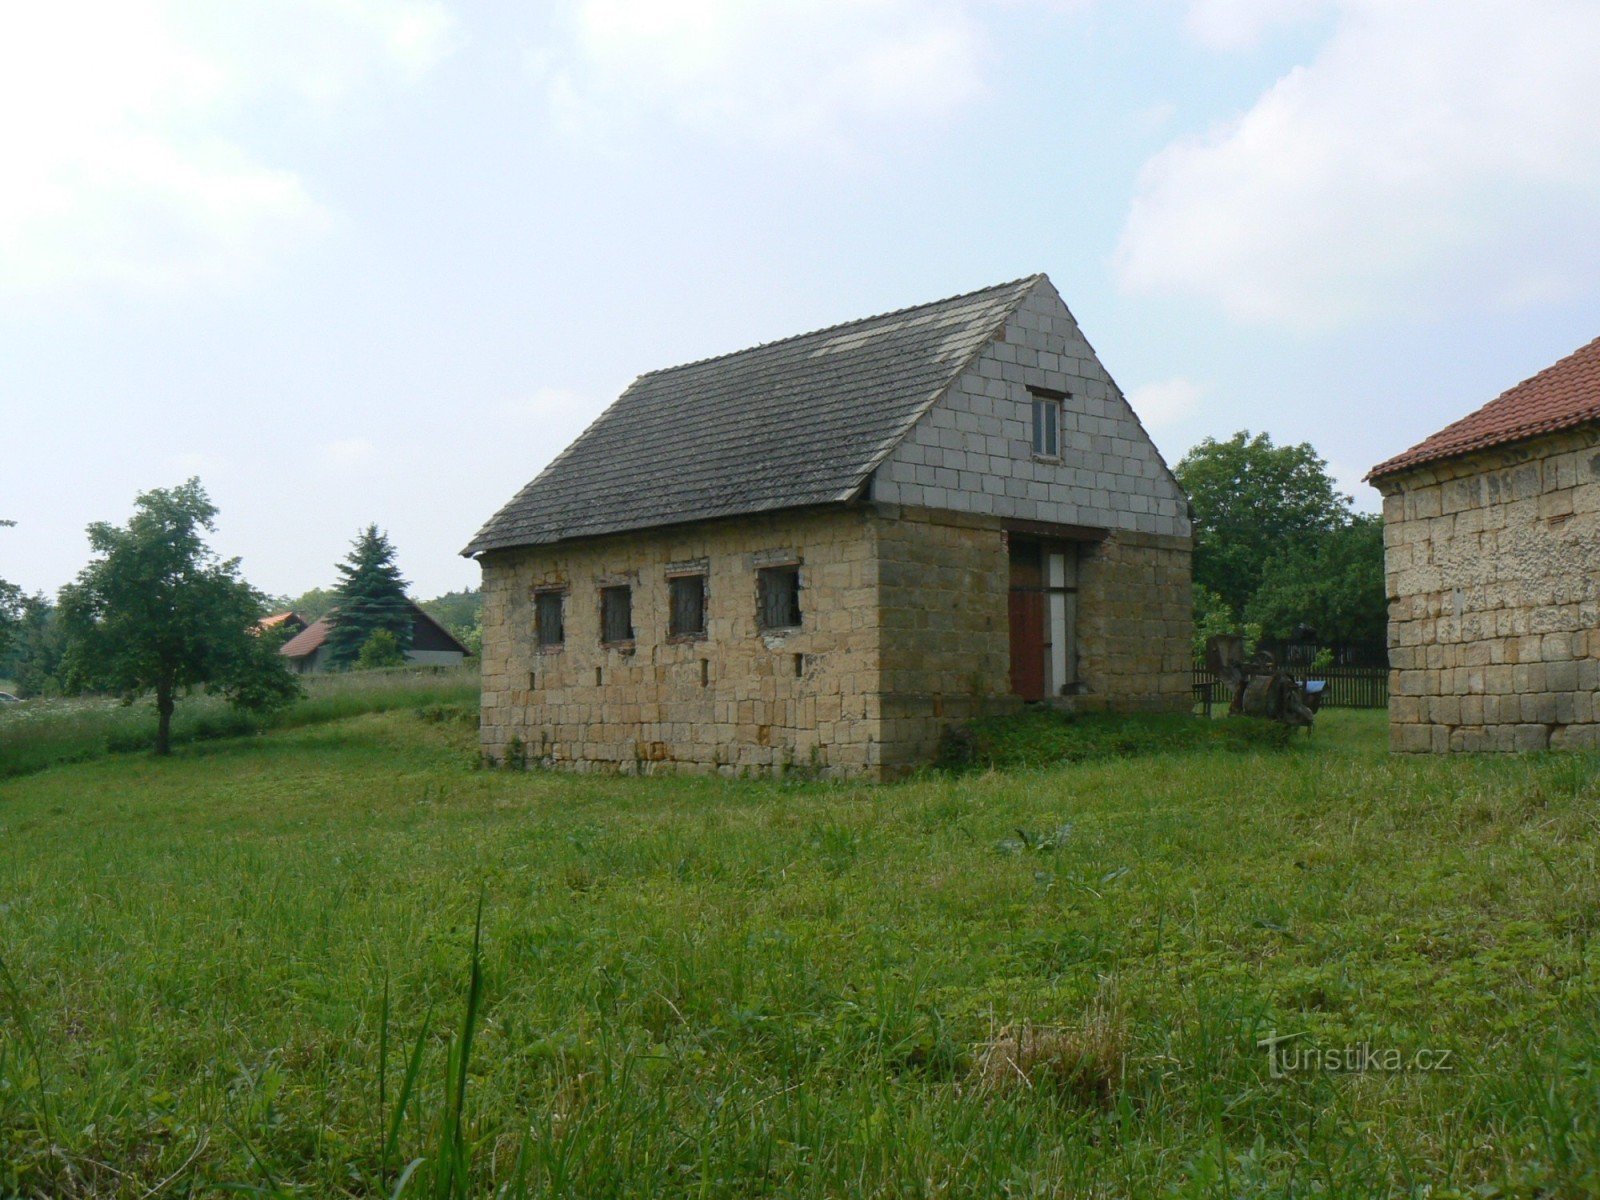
(372, 596)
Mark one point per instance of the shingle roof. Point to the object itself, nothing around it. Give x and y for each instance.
(788, 424)
(1561, 396)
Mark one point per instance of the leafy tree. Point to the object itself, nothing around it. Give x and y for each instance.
(1334, 583)
(311, 605)
(11, 601)
(382, 649)
(1277, 546)
(372, 596)
(1250, 500)
(1213, 616)
(34, 660)
(157, 611)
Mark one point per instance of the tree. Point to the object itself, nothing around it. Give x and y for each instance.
(1334, 583)
(372, 596)
(312, 604)
(157, 611)
(380, 650)
(1252, 499)
(11, 607)
(33, 660)
(1278, 547)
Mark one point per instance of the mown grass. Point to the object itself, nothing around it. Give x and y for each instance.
(44, 733)
(223, 966)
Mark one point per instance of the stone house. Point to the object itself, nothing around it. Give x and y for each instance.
(1492, 561)
(820, 552)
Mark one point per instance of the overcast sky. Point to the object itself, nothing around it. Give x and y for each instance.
(380, 260)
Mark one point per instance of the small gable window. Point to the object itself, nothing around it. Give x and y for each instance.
(616, 615)
(688, 597)
(1047, 424)
(778, 596)
(549, 619)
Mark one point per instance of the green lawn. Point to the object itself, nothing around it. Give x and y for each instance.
(1032, 982)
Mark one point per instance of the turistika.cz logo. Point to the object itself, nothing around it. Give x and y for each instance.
(1288, 1055)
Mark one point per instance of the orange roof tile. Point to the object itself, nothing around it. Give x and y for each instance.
(1561, 396)
(307, 640)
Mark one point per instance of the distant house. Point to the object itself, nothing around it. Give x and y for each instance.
(431, 644)
(289, 622)
(1492, 546)
(821, 552)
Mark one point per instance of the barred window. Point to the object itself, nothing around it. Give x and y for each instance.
(688, 616)
(778, 593)
(549, 618)
(616, 614)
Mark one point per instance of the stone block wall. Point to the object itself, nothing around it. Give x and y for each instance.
(1136, 622)
(973, 451)
(736, 701)
(905, 631)
(1493, 573)
(945, 640)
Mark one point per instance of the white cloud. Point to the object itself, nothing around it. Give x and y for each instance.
(1436, 155)
(119, 163)
(1238, 24)
(1167, 403)
(348, 453)
(784, 71)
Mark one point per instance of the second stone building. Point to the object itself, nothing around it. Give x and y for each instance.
(821, 552)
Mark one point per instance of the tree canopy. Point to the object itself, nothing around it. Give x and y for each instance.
(1277, 545)
(372, 596)
(157, 611)
(11, 603)
(32, 660)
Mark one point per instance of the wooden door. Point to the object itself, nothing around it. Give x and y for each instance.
(1027, 643)
(1027, 609)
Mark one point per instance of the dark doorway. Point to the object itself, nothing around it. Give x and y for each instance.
(1044, 609)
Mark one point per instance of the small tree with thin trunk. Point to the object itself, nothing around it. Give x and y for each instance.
(158, 612)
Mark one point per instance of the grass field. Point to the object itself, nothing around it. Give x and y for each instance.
(44, 733)
(253, 965)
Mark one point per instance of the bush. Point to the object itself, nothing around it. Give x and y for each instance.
(382, 649)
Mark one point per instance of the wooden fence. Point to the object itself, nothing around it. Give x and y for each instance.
(1348, 687)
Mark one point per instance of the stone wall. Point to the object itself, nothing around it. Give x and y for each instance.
(737, 700)
(1493, 576)
(1136, 622)
(905, 630)
(945, 641)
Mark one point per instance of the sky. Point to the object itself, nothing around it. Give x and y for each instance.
(354, 261)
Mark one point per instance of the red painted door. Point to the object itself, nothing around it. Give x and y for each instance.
(1027, 644)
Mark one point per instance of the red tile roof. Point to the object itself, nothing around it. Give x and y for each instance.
(1559, 397)
(277, 619)
(307, 640)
